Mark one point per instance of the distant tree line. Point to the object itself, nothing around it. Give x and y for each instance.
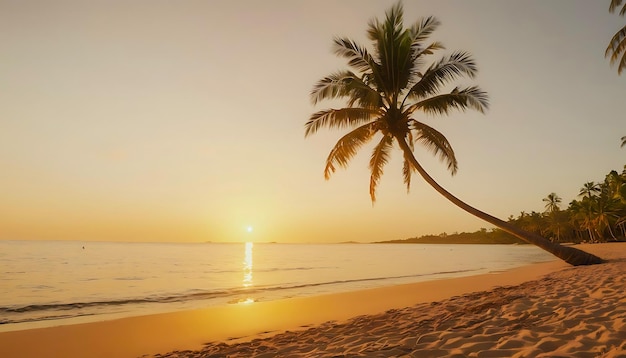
(482, 236)
(598, 215)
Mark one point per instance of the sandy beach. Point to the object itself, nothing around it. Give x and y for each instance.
(541, 310)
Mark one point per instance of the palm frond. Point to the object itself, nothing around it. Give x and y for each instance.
(394, 19)
(357, 56)
(378, 160)
(338, 118)
(407, 168)
(442, 72)
(392, 48)
(614, 45)
(617, 48)
(409, 50)
(362, 94)
(347, 147)
(436, 143)
(615, 4)
(470, 97)
(393, 22)
(374, 30)
(428, 50)
(407, 171)
(422, 29)
(332, 86)
(345, 84)
(623, 142)
(418, 60)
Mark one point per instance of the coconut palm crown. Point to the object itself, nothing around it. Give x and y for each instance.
(389, 87)
(386, 89)
(553, 202)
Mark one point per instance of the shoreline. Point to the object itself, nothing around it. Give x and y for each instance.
(267, 321)
(128, 337)
(78, 295)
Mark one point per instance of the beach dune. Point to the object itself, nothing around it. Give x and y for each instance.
(547, 309)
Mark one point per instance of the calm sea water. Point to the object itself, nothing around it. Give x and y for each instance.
(45, 283)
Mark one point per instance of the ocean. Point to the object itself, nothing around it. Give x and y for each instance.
(49, 283)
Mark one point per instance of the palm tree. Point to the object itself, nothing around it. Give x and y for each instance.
(553, 203)
(614, 185)
(533, 223)
(390, 87)
(589, 190)
(583, 216)
(617, 45)
(607, 204)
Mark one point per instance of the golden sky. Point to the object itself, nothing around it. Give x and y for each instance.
(184, 120)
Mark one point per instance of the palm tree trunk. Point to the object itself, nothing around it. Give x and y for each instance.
(611, 232)
(579, 236)
(558, 234)
(568, 254)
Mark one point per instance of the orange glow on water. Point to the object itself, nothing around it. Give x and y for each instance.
(247, 265)
(247, 271)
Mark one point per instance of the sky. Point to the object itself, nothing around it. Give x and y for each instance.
(183, 121)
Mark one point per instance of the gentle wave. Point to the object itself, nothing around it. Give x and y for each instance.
(45, 318)
(277, 269)
(196, 296)
(46, 282)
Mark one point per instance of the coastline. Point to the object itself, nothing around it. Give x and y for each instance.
(191, 330)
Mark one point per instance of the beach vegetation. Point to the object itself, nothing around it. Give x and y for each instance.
(389, 91)
(483, 237)
(598, 216)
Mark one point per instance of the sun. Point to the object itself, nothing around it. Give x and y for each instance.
(249, 229)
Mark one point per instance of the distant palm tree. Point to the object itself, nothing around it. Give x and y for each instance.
(606, 215)
(589, 190)
(583, 216)
(391, 86)
(553, 203)
(615, 185)
(617, 45)
(552, 206)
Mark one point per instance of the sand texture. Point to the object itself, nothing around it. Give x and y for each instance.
(575, 312)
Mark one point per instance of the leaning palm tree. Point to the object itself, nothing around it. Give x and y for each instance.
(389, 89)
(616, 49)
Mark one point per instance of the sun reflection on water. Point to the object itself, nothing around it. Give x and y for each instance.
(247, 265)
(247, 272)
